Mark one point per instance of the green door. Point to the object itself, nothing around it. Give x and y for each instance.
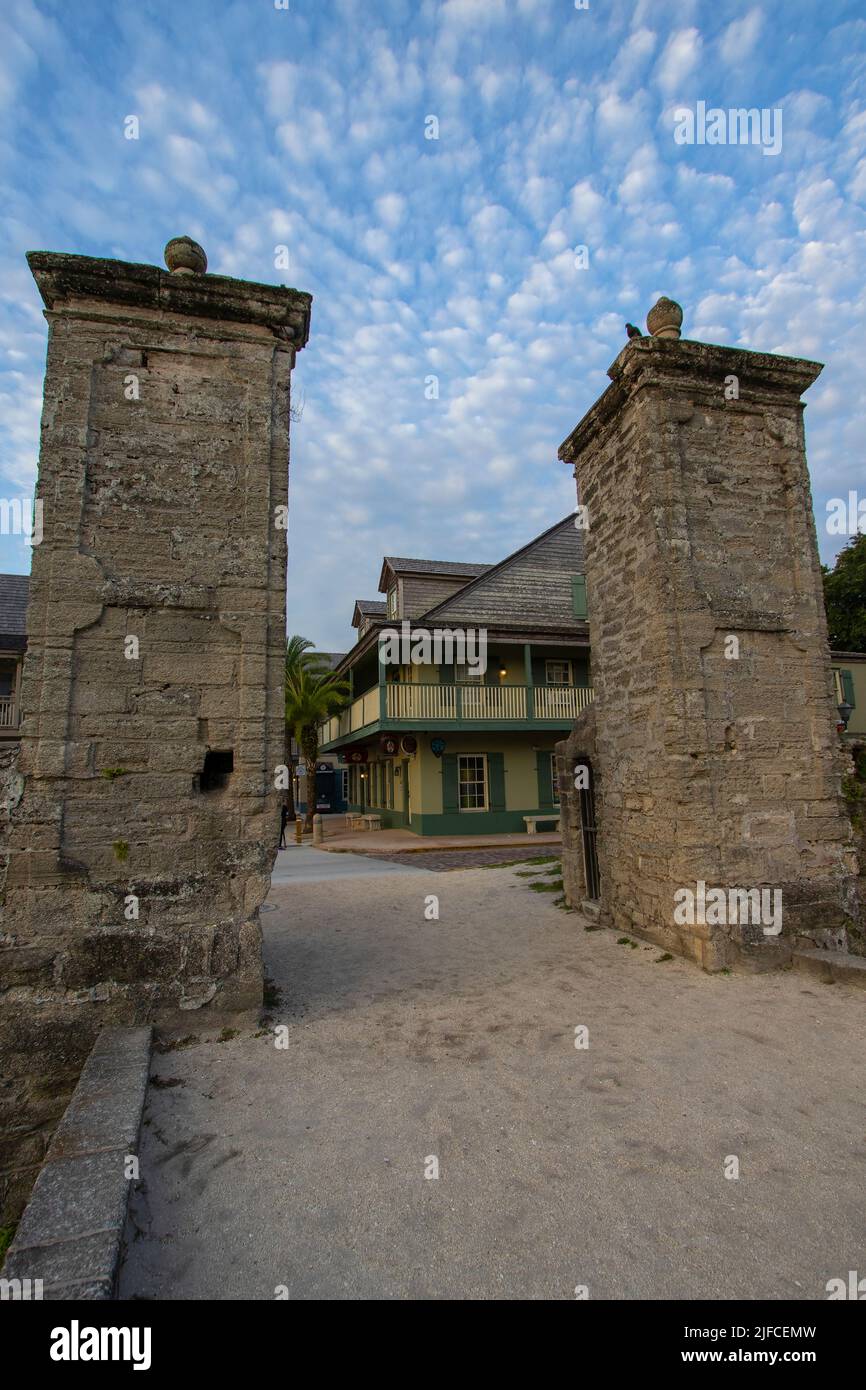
(407, 801)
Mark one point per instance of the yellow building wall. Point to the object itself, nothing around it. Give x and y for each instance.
(857, 722)
(521, 776)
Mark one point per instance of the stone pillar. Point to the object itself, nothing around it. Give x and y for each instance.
(142, 844)
(717, 754)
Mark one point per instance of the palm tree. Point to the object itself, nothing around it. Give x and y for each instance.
(312, 693)
(297, 649)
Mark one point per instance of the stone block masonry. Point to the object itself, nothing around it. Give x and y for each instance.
(715, 751)
(143, 817)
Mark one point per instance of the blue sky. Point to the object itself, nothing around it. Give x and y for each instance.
(452, 257)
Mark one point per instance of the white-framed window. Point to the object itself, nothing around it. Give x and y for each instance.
(392, 602)
(554, 780)
(557, 672)
(837, 681)
(467, 674)
(472, 781)
(344, 784)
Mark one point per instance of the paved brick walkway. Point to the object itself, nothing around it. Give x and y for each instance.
(445, 860)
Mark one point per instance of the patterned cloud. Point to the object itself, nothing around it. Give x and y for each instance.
(457, 338)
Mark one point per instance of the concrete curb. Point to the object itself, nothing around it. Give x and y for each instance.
(833, 967)
(70, 1232)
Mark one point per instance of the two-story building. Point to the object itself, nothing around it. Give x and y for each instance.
(14, 591)
(439, 747)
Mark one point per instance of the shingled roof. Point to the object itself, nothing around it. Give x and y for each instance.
(364, 609)
(14, 591)
(399, 564)
(531, 587)
(367, 608)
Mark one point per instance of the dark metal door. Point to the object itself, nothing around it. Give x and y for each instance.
(588, 831)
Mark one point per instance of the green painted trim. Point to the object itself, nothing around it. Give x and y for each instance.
(382, 672)
(417, 726)
(578, 596)
(496, 779)
(449, 784)
(545, 781)
(527, 675)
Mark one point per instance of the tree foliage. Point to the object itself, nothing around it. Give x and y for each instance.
(845, 597)
(313, 693)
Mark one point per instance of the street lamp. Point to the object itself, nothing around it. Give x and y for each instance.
(844, 713)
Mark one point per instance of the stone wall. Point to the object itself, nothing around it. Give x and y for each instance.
(141, 848)
(718, 758)
(854, 791)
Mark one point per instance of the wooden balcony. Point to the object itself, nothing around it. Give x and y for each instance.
(10, 717)
(423, 707)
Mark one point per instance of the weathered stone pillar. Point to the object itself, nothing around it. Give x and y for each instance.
(142, 844)
(717, 756)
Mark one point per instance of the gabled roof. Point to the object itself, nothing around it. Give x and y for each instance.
(14, 592)
(329, 659)
(457, 569)
(367, 608)
(531, 587)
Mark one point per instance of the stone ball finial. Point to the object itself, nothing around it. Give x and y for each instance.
(665, 318)
(183, 256)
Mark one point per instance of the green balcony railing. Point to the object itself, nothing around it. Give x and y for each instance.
(458, 703)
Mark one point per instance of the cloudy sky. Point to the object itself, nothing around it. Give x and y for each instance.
(456, 257)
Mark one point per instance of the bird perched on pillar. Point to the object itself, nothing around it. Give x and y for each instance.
(632, 331)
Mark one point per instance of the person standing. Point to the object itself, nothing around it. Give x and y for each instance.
(284, 816)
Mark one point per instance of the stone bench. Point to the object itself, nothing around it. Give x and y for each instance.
(366, 822)
(531, 822)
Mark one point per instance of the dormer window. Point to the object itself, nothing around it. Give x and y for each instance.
(392, 601)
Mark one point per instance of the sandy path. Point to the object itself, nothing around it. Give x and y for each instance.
(559, 1167)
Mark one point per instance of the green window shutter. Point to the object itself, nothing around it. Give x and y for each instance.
(496, 774)
(578, 596)
(848, 688)
(545, 783)
(449, 782)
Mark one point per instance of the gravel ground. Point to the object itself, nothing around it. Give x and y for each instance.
(559, 1167)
